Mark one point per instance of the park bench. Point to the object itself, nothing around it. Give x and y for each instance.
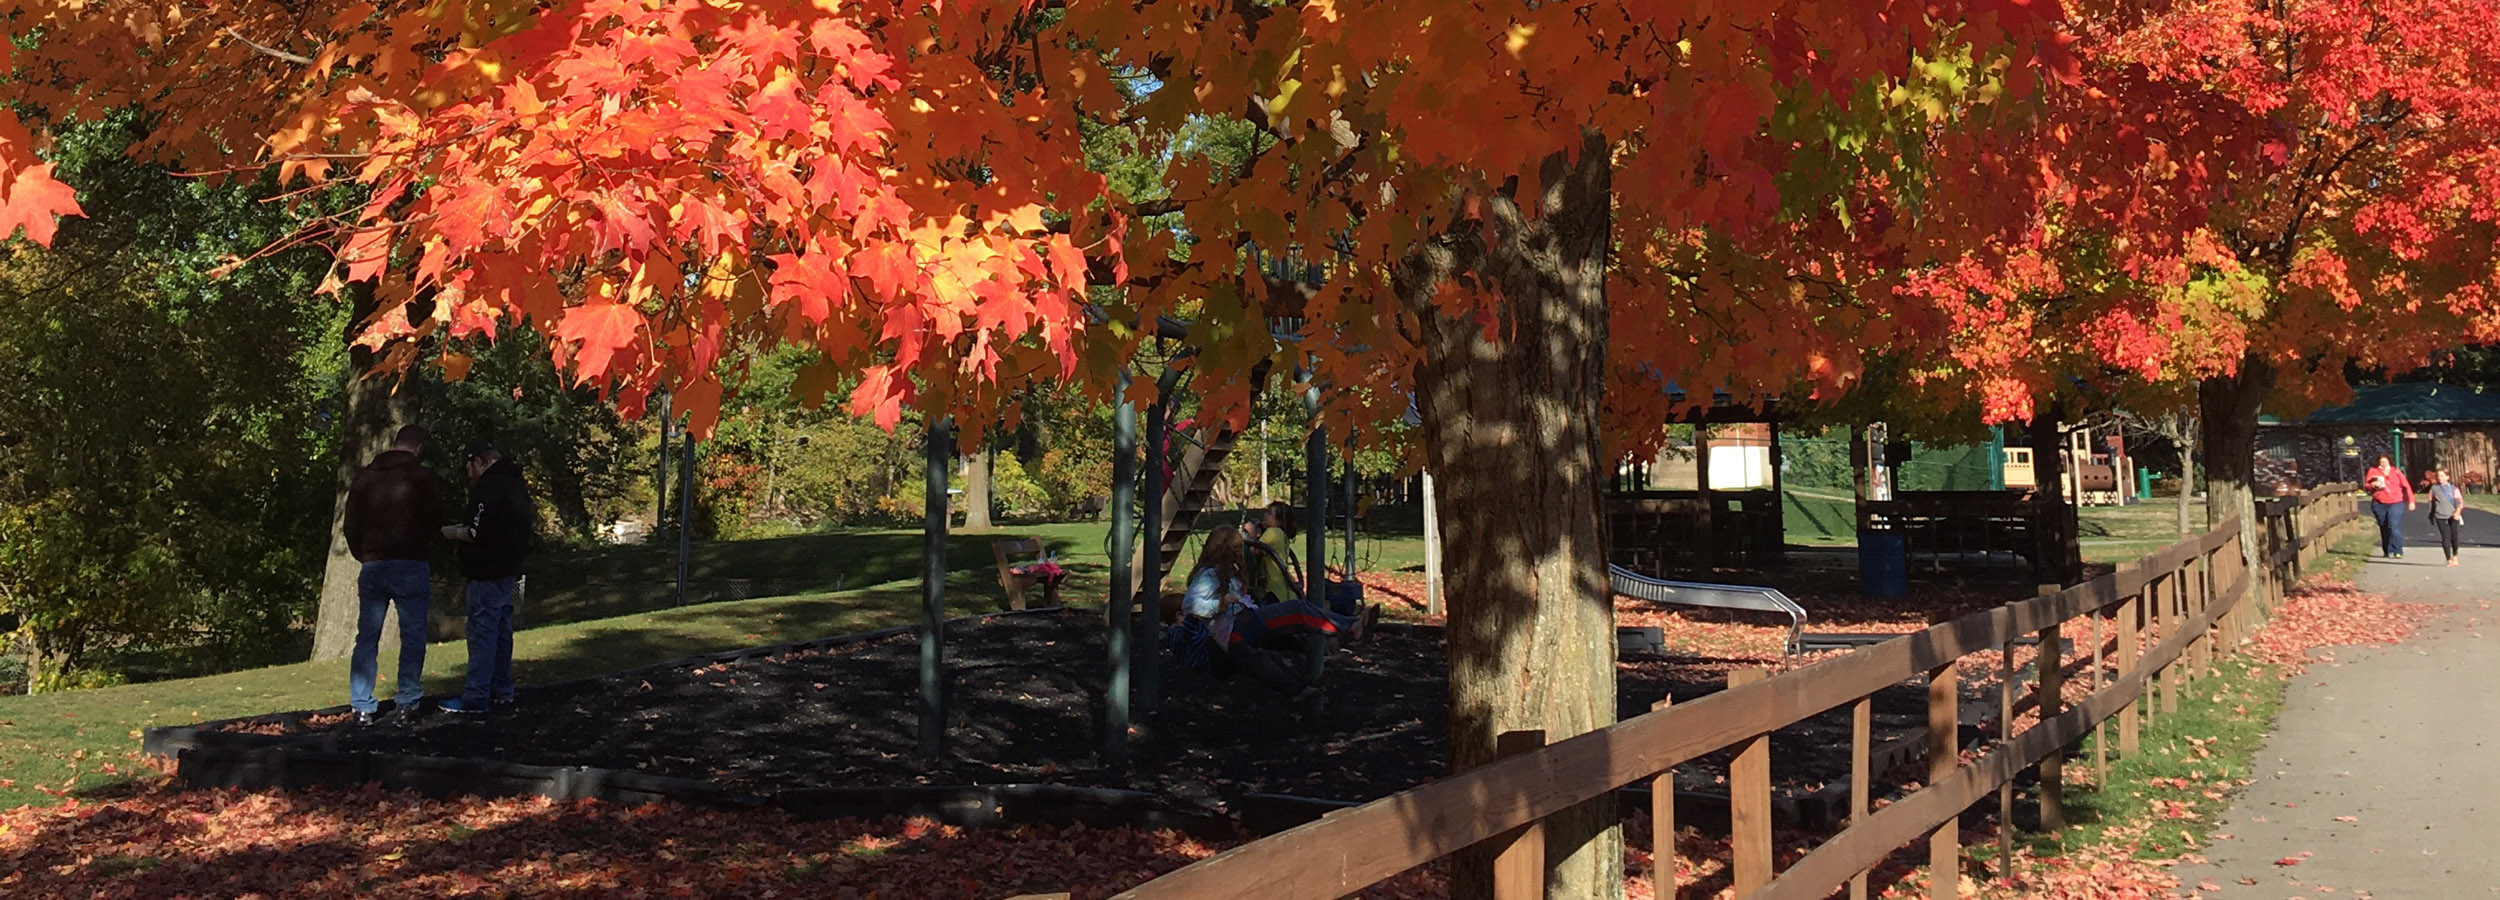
(1091, 507)
(1013, 582)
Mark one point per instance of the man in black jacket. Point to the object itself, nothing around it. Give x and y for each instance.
(392, 506)
(494, 537)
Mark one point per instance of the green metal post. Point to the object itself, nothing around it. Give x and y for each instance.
(1123, 592)
(1315, 516)
(1147, 658)
(941, 455)
(1996, 457)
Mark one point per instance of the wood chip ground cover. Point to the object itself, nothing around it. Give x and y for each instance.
(1024, 706)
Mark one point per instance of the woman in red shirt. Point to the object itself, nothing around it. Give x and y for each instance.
(2391, 496)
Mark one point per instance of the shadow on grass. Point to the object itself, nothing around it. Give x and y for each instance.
(607, 582)
(607, 646)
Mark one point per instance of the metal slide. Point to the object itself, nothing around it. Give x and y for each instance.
(1719, 596)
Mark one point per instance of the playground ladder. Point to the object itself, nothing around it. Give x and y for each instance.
(1193, 485)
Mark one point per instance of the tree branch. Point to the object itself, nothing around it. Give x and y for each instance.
(264, 49)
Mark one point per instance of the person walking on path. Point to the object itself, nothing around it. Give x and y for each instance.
(2447, 511)
(392, 505)
(494, 538)
(2389, 490)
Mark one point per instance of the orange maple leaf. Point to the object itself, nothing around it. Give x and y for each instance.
(34, 201)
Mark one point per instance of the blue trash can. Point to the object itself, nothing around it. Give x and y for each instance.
(1883, 564)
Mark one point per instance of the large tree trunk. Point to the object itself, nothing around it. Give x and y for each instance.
(2056, 542)
(977, 489)
(2228, 406)
(1510, 426)
(373, 413)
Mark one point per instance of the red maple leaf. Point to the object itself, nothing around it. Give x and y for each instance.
(889, 268)
(856, 126)
(601, 327)
(812, 280)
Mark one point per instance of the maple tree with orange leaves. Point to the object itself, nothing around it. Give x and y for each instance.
(1533, 219)
(2245, 200)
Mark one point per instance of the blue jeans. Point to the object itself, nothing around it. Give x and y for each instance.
(490, 641)
(2391, 527)
(381, 583)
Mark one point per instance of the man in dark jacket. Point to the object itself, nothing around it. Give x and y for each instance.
(494, 537)
(392, 506)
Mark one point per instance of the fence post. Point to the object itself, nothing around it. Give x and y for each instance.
(1861, 740)
(2006, 675)
(1519, 866)
(2151, 607)
(2100, 730)
(1662, 863)
(2129, 716)
(2173, 676)
(2234, 621)
(2192, 658)
(2052, 693)
(2207, 648)
(1944, 753)
(1749, 800)
(2236, 566)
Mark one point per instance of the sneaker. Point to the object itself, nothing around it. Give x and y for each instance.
(366, 718)
(500, 703)
(1367, 621)
(461, 707)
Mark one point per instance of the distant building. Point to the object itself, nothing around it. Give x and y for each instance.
(2422, 425)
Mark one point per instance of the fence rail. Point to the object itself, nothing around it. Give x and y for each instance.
(2192, 601)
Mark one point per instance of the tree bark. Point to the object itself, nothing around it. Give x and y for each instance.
(2060, 552)
(373, 412)
(2228, 406)
(1510, 425)
(977, 489)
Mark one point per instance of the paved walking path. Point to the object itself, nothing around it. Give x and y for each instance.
(2405, 740)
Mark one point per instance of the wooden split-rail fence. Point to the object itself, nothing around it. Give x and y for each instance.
(2162, 620)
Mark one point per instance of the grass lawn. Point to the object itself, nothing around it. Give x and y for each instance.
(84, 740)
(2189, 765)
(603, 582)
(1820, 516)
(2112, 534)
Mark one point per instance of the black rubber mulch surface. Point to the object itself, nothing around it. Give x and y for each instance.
(1025, 705)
